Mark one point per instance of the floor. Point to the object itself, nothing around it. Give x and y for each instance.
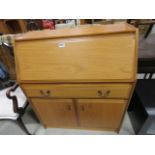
(146, 49)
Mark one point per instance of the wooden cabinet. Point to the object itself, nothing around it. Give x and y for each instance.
(99, 113)
(80, 77)
(78, 90)
(12, 26)
(85, 113)
(56, 112)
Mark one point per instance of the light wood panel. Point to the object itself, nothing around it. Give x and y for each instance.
(81, 77)
(100, 113)
(56, 112)
(78, 90)
(87, 59)
(77, 31)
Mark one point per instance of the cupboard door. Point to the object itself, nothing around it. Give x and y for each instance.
(55, 112)
(100, 113)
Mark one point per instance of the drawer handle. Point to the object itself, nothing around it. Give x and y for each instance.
(46, 93)
(69, 107)
(82, 108)
(103, 93)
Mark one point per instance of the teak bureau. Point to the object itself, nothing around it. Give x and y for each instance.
(80, 77)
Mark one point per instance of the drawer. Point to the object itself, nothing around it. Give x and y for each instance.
(77, 90)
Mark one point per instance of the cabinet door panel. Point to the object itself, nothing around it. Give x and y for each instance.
(82, 59)
(100, 113)
(55, 112)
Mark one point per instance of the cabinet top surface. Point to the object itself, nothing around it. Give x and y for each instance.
(77, 31)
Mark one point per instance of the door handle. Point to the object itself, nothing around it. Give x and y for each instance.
(45, 93)
(48, 92)
(82, 108)
(69, 107)
(103, 93)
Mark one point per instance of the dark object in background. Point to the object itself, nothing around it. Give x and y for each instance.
(32, 25)
(12, 26)
(4, 75)
(137, 22)
(7, 55)
(142, 105)
(142, 112)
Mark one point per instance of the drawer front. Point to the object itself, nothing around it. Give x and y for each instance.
(78, 90)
